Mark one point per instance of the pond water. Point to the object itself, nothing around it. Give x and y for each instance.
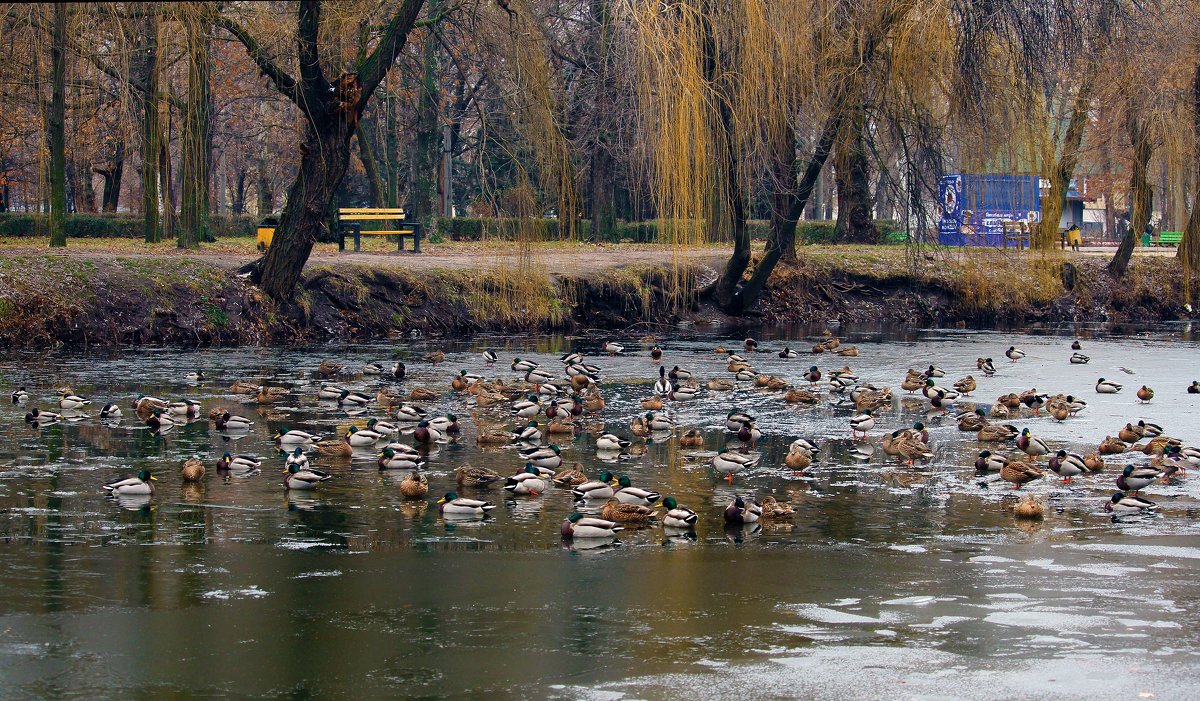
(890, 580)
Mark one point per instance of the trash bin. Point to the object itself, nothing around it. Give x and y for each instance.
(1146, 240)
(1074, 237)
(266, 232)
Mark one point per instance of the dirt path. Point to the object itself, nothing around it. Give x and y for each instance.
(553, 258)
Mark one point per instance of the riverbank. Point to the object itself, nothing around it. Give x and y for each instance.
(106, 296)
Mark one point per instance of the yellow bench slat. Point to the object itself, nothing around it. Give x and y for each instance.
(370, 217)
(402, 232)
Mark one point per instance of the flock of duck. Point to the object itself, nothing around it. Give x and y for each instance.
(545, 403)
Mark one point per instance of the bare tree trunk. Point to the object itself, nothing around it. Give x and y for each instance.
(266, 192)
(111, 195)
(602, 195)
(146, 70)
(1046, 236)
(423, 194)
(853, 182)
(167, 179)
(56, 127)
(1141, 194)
(1189, 246)
(238, 201)
(366, 154)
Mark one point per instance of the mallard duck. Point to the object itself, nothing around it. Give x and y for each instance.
(1031, 445)
(932, 391)
(37, 417)
(1093, 462)
(613, 348)
(1019, 472)
(187, 408)
(890, 444)
(493, 437)
(972, 421)
(372, 369)
(192, 470)
(656, 353)
(1156, 446)
(626, 493)
(1059, 411)
(659, 422)
(966, 385)
(749, 434)
(1130, 433)
(571, 477)
(409, 413)
(1194, 388)
(530, 433)
(720, 385)
(739, 512)
(244, 387)
(1145, 394)
(831, 343)
(489, 356)
(1067, 465)
(391, 459)
(773, 510)
(228, 421)
(678, 516)
(299, 478)
(691, 439)
(110, 411)
(1033, 400)
(328, 368)
(912, 448)
(447, 424)
(454, 505)
(912, 383)
(353, 399)
(549, 457)
(527, 408)
(423, 394)
(72, 401)
(818, 348)
(620, 512)
(1029, 507)
(144, 406)
(735, 419)
(727, 463)
(1076, 345)
(986, 366)
(1104, 386)
(523, 366)
(19, 396)
(270, 395)
(160, 421)
(776, 384)
(425, 434)
(336, 447)
(1126, 504)
(750, 345)
(468, 476)
(560, 428)
(579, 526)
(1112, 446)
(989, 462)
(610, 442)
(295, 437)
(555, 411)
(434, 357)
(861, 423)
(242, 463)
(528, 481)
(1079, 359)
(363, 438)
(297, 457)
(1010, 400)
(414, 486)
(1014, 354)
(593, 402)
(683, 393)
(798, 458)
(787, 352)
(601, 488)
(801, 396)
(746, 375)
(133, 486)
(1134, 479)
(327, 393)
(1148, 429)
(652, 403)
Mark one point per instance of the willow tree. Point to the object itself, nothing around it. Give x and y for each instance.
(1189, 246)
(196, 139)
(724, 86)
(331, 108)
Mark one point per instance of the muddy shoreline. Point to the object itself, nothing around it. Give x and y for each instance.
(52, 301)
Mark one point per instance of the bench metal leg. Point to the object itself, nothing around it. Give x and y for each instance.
(357, 241)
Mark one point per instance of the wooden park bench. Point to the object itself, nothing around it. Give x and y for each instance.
(1168, 238)
(350, 221)
(1018, 233)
